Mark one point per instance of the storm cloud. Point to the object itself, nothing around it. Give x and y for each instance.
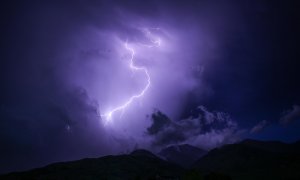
(203, 128)
(64, 64)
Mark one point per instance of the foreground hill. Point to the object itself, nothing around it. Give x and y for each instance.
(140, 164)
(251, 159)
(184, 155)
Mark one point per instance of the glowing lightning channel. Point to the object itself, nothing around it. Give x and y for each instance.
(156, 43)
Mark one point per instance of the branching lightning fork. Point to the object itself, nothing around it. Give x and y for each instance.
(155, 42)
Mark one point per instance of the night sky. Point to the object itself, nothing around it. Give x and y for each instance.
(219, 72)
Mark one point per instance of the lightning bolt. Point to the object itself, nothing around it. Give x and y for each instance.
(133, 67)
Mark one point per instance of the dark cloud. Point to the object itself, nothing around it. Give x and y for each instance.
(44, 118)
(160, 121)
(290, 115)
(203, 128)
(64, 128)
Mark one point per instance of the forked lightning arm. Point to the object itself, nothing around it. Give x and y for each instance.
(133, 67)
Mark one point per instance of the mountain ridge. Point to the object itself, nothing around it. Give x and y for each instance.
(253, 159)
(184, 155)
(248, 159)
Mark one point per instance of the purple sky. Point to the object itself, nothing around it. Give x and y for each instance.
(223, 71)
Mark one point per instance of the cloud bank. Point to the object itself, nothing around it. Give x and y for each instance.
(203, 128)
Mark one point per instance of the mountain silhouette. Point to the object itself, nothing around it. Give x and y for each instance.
(248, 159)
(252, 159)
(184, 155)
(140, 164)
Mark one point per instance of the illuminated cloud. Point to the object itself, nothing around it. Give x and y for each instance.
(204, 129)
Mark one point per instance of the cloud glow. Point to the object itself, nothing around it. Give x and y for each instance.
(155, 42)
